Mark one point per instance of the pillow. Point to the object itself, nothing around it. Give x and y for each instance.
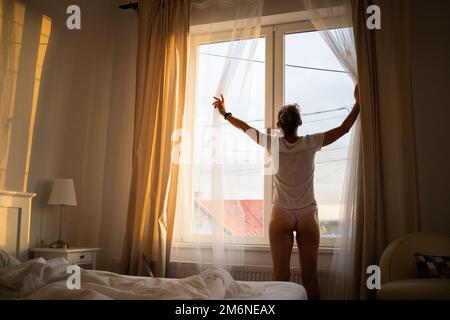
(13, 261)
(432, 266)
(7, 260)
(13, 277)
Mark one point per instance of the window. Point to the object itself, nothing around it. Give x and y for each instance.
(246, 201)
(244, 186)
(292, 64)
(315, 79)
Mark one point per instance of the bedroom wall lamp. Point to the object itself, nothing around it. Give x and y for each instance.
(62, 194)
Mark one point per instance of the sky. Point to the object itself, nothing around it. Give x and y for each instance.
(323, 96)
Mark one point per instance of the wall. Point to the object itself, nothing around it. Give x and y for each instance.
(431, 83)
(84, 125)
(221, 13)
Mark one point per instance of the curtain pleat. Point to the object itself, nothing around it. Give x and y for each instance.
(160, 97)
(390, 193)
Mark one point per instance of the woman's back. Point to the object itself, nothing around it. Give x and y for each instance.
(294, 177)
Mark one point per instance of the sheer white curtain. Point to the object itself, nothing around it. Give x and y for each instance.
(221, 169)
(333, 18)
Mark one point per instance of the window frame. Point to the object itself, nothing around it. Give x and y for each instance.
(274, 35)
(279, 76)
(196, 40)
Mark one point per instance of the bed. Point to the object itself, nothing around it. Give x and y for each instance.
(41, 279)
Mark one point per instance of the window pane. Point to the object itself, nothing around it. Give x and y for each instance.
(242, 180)
(315, 80)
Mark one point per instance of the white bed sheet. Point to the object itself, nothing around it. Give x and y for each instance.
(272, 290)
(40, 279)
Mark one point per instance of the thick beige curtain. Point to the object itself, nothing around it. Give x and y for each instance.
(160, 98)
(390, 205)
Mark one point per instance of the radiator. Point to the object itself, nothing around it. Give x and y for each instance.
(248, 273)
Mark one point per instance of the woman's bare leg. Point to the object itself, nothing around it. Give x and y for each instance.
(308, 238)
(281, 237)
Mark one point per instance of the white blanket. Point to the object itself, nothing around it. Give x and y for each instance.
(40, 279)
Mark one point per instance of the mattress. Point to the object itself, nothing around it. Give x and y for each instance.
(273, 290)
(276, 290)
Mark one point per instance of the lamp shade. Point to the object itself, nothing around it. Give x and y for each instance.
(63, 193)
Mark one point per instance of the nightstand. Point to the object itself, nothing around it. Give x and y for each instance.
(84, 257)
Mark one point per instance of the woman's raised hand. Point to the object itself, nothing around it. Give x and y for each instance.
(219, 104)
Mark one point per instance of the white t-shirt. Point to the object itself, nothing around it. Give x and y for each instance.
(294, 177)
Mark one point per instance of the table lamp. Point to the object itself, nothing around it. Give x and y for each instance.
(62, 194)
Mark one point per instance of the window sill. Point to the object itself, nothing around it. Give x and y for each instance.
(246, 248)
(257, 255)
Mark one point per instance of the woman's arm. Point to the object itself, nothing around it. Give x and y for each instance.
(336, 133)
(219, 104)
(237, 123)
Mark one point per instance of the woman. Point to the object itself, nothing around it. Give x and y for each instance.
(294, 205)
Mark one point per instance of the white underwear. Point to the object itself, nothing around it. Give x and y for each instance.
(297, 214)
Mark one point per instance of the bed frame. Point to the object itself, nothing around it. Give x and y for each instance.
(20, 202)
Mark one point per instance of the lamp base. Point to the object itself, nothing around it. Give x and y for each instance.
(59, 244)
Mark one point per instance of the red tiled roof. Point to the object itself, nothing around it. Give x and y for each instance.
(242, 217)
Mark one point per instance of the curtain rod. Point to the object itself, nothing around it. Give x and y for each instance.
(130, 5)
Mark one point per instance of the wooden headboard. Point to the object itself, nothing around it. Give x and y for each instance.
(15, 213)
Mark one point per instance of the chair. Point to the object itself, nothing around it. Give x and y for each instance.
(399, 278)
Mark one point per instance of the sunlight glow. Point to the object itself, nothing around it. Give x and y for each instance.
(9, 67)
(46, 27)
